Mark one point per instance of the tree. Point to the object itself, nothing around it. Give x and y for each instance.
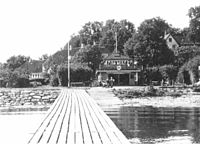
(78, 73)
(168, 72)
(148, 46)
(194, 15)
(185, 53)
(91, 33)
(56, 59)
(189, 73)
(16, 61)
(90, 55)
(11, 78)
(44, 57)
(75, 41)
(122, 30)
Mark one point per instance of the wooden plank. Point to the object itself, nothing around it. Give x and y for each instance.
(101, 114)
(51, 112)
(71, 137)
(58, 125)
(75, 118)
(106, 132)
(50, 128)
(78, 129)
(62, 138)
(93, 131)
(102, 132)
(85, 128)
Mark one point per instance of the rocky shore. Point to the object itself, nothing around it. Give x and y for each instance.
(27, 97)
(106, 97)
(187, 98)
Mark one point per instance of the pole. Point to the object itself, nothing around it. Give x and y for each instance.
(116, 41)
(68, 64)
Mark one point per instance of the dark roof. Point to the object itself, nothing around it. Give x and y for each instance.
(104, 50)
(34, 66)
(116, 55)
(182, 41)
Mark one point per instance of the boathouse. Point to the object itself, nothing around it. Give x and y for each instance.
(121, 67)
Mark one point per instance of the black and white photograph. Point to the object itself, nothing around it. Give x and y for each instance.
(99, 72)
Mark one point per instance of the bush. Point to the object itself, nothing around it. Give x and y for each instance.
(13, 79)
(169, 72)
(78, 73)
(188, 73)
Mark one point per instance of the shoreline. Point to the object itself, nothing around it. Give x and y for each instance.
(186, 100)
(105, 97)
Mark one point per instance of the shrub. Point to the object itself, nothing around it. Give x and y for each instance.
(190, 68)
(78, 73)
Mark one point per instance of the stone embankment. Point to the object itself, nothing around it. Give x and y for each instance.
(27, 97)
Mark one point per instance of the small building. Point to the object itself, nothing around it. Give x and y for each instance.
(172, 41)
(120, 67)
(36, 70)
(175, 41)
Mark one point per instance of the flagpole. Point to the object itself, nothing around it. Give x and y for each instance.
(116, 41)
(68, 64)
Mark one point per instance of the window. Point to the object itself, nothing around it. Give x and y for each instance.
(174, 46)
(170, 39)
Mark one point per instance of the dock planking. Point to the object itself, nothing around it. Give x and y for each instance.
(75, 118)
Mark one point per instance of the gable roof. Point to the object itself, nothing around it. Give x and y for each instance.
(182, 41)
(34, 66)
(177, 38)
(116, 55)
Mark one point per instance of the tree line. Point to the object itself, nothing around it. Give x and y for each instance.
(146, 45)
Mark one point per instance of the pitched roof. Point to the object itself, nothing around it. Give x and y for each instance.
(34, 66)
(116, 55)
(182, 41)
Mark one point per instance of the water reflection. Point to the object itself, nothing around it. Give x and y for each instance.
(151, 125)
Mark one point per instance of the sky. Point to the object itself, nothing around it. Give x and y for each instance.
(36, 27)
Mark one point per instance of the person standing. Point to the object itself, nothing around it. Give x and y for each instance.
(111, 81)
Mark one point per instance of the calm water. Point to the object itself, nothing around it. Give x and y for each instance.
(18, 125)
(151, 125)
(142, 125)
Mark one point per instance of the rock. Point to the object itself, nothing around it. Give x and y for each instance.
(36, 97)
(28, 103)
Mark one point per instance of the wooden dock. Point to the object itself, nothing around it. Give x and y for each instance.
(75, 118)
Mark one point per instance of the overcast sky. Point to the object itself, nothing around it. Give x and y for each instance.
(36, 27)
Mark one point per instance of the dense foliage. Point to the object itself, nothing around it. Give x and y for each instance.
(189, 72)
(9, 78)
(194, 28)
(78, 73)
(148, 46)
(185, 53)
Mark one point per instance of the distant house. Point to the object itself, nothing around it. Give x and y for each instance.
(172, 41)
(35, 68)
(120, 67)
(175, 41)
